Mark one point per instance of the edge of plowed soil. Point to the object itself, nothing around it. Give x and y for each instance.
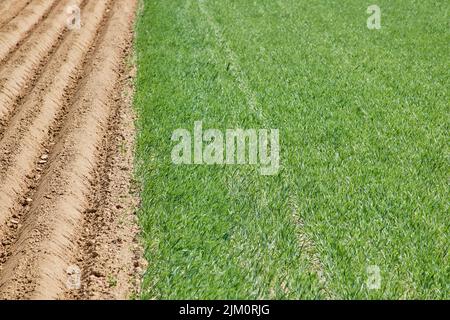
(106, 273)
(110, 255)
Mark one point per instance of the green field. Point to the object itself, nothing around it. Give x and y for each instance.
(363, 117)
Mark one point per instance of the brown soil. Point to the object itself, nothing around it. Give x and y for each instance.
(67, 198)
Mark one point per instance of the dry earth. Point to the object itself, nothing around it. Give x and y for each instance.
(67, 198)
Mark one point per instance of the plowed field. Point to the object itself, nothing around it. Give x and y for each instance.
(66, 135)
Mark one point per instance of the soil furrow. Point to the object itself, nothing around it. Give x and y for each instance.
(23, 141)
(16, 30)
(18, 73)
(38, 259)
(9, 9)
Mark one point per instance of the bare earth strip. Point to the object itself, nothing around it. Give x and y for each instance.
(66, 192)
